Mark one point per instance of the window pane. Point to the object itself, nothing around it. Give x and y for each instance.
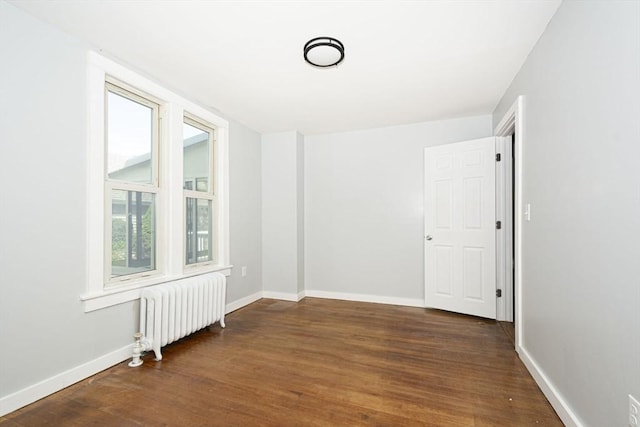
(196, 158)
(129, 139)
(199, 239)
(133, 232)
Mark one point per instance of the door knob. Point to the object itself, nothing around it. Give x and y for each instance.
(428, 237)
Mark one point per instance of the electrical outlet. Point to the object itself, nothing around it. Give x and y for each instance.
(634, 412)
(244, 271)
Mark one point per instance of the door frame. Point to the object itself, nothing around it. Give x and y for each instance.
(512, 123)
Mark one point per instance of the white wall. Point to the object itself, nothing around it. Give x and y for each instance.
(44, 330)
(581, 269)
(282, 216)
(364, 208)
(245, 198)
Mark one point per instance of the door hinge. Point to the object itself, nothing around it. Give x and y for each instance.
(498, 157)
(499, 293)
(498, 225)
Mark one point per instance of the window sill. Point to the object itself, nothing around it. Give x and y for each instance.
(122, 294)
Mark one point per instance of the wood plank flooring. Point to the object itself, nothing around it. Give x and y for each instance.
(510, 330)
(314, 363)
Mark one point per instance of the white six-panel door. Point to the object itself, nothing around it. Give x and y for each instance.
(460, 227)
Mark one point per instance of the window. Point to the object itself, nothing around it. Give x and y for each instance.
(157, 186)
(199, 195)
(131, 184)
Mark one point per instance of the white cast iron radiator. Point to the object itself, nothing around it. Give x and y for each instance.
(173, 310)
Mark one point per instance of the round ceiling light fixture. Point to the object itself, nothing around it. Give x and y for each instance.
(324, 52)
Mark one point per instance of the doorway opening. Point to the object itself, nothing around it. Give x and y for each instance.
(509, 133)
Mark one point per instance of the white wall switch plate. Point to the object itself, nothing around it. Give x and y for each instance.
(244, 271)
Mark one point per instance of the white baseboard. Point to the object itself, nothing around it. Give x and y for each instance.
(290, 296)
(285, 296)
(562, 408)
(409, 302)
(56, 383)
(237, 304)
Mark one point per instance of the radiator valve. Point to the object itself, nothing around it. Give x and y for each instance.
(138, 348)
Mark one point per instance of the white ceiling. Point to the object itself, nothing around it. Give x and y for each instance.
(405, 61)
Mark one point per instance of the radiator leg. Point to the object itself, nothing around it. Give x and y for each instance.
(156, 350)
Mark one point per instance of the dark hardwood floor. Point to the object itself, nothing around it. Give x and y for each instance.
(509, 329)
(314, 363)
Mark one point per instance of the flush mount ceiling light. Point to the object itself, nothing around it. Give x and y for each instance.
(323, 52)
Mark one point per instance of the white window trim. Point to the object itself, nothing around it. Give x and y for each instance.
(170, 237)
